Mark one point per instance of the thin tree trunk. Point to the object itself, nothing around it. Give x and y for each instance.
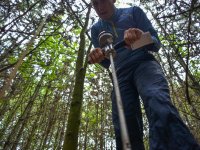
(5, 105)
(62, 134)
(102, 127)
(58, 132)
(12, 141)
(8, 81)
(71, 136)
(65, 115)
(51, 121)
(96, 127)
(36, 122)
(7, 121)
(86, 134)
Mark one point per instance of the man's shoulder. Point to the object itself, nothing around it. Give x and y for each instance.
(128, 14)
(96, 25)
(129, 9)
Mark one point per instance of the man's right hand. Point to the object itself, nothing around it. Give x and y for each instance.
(96, 56)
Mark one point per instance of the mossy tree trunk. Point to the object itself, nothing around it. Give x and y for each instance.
(71, 135)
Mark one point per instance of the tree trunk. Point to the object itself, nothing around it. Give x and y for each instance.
(86, 134)
(36, 122)
(14, 136)
(96, 127)
(71, 136)
(102, 127)
(51, 121)
(8, 81)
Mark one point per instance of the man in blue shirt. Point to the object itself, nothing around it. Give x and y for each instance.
(139, 74)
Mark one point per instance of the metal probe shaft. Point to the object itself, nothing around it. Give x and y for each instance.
(124, 132)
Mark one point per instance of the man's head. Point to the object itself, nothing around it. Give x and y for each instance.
(104, 8)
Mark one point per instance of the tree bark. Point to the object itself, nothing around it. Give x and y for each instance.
(15, 134)
(71, 136)
(8, 81)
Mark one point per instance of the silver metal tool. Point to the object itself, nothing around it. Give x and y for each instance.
(106, 43)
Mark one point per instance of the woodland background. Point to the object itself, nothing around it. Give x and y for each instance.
(49, 96)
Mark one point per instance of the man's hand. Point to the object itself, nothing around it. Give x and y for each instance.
(131, 35)
(96, 56)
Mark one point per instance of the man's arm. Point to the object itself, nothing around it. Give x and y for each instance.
(145, 25)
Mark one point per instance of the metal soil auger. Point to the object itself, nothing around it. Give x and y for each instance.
(106, 43)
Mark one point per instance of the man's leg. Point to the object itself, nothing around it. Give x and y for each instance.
(167, 130)
(132, 114)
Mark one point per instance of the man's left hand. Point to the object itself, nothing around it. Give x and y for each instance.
(131, 35)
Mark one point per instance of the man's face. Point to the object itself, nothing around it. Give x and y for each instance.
(104, 8)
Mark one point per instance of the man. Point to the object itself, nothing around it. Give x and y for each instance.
(139, 74)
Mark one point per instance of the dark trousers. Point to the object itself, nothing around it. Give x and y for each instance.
(166, 129)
